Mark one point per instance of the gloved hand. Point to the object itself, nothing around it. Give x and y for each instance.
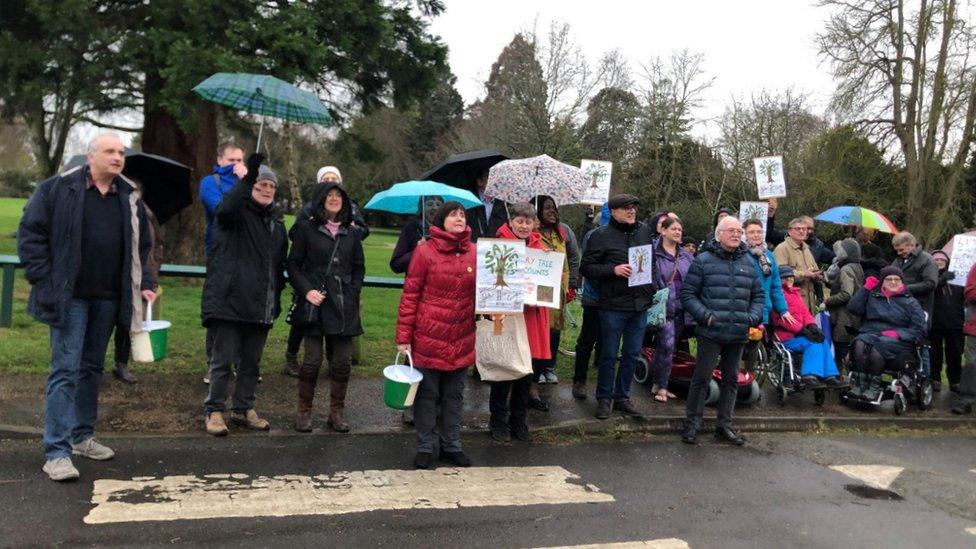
(253, 165)
(816, 334)
(890, 333)
(871, 283)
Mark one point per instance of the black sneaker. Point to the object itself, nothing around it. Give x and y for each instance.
(423, 460)
(521, 433)
(499, 433)
(457, 458)
(627, 408)
(689, 435)
(603, 409)
(728, 436)
(122, 373)
(538, 404)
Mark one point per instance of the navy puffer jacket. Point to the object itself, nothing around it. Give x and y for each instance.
(723, 285)
(900, 312)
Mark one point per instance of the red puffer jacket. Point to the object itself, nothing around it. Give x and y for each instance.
(797, 308)
(970, 292)
(436, 314)
(536, 318)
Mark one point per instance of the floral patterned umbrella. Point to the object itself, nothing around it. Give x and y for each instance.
(523, 179)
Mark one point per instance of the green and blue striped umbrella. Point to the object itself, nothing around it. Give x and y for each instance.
(264, 95)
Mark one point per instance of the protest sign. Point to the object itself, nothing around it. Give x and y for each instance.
(769, 177)
(543, 277)
(599, 173)
(754, 210)
(963, 258)
(500, 281)
(640, 259)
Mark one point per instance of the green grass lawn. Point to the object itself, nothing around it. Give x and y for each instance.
(24, 347)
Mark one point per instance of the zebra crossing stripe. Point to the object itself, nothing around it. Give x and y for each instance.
(877, 476)
(191, 497)
(668, 543)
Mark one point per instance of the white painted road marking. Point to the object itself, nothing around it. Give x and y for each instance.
(237, 495)
(668, 543)
(878, 476)
(971, 530)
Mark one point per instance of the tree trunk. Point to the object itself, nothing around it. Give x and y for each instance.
(500, 272)
(194, 146)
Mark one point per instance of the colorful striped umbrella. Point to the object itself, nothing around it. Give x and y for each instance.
(264, 95)
(855, 215)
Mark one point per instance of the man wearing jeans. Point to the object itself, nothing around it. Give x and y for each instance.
(724, 295)
(623, 308)
(84, 240)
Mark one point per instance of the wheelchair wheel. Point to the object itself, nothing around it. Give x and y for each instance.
(819, 397)
(642, 371)
(711, 398)
(762, 365)
(924, 393)
(901, 403)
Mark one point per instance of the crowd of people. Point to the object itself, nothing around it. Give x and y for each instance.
(86, 239)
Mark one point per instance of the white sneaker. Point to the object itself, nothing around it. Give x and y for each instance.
(551, 377)
(542, 379)
(60, 469)
(92, 449)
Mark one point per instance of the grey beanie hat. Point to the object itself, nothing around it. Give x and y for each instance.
(265, 174)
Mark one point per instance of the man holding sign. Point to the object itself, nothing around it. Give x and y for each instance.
(623, 306)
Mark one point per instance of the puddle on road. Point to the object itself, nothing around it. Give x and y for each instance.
(869, 492)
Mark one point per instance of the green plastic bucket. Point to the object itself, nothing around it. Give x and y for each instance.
(401, 384)
(149, 345)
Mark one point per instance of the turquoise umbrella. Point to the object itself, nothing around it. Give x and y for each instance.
(402, 198)
(264, 95)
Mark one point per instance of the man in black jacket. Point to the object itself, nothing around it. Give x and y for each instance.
(623, 308)
(485, 219)
(84, 240)
(241, 297)
(725, 297)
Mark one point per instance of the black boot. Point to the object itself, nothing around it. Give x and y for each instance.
(857, 388)
(291, 365)
(873, 388)
(123, 374)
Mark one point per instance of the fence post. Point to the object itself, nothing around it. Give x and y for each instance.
(7, 297)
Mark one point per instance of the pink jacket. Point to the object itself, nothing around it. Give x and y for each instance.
(798, 308)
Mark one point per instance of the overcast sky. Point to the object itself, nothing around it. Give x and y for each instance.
(748, 44)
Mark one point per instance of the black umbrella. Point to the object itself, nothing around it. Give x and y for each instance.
(461, 170)
(165, 183)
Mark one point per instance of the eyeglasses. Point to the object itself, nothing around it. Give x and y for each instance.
(265, 185)
(801, 229)
(628, 207)
(892, 279)
(732, 231)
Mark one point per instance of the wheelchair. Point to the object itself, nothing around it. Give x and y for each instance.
(781, 368)
(905, 381)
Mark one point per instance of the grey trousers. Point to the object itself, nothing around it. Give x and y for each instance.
(967, 382)
(235, 344)
(447, 390)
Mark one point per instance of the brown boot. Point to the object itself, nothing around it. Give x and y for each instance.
(250, 419)
(337, 402)
(307, 378)
(215, 424)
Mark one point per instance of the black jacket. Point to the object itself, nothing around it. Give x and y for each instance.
(308, 269)
(723, 286)
(921, 277)
(607, 248)
(308, 210)
(49, 244)
(949, 305)
(481, 225)
(410, 235)
(246, 270)
(822, 253)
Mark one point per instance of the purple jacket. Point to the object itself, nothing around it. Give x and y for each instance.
(664, 265)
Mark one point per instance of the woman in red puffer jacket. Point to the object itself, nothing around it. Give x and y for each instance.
(435, 325)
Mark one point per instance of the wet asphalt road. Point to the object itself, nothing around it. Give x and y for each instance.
(777, 492)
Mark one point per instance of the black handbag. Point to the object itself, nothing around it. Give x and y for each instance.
(302, 313)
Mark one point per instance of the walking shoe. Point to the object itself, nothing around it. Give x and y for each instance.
(250, 420)
(291, 365)
(857, 386)
(303, 421)
(215, 424)
(873, 389)
(521, 433)
(810, 380)
(92, 449)
(60, 469)
(551, 377)
(542, 379)
(423, 460)
(579, 390)
(457, 458)
(835, 381)
(689, 435)
(499, 433)
(627, 408)
(727, 435)
(538, 404)
(603, 409)
(122, 373)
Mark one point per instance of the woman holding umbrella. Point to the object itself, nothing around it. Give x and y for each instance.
(415, 233)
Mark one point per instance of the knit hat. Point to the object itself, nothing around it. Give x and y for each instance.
(265, 174)
(621, 200)
(891, 270)
(785, 271)
(943, 254)
(328, 169)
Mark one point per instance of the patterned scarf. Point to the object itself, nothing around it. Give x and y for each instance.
(759, 251)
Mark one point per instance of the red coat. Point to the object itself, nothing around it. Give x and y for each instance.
(798, 308)
(969, 328)
(536, 318)
(436, 315)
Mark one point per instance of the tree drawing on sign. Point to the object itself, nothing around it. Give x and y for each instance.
(640, 258)
(769, 169)
(753, 211)
(500, 261)
(596, 172)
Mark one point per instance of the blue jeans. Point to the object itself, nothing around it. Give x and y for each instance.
(77, 359)
(616, 325)
(817, 360)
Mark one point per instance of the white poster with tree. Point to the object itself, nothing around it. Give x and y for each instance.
(501, 276)
(598, 191)
(754, 210)
(640, 259)
(770, 179)
(543, 278)
(963, 258)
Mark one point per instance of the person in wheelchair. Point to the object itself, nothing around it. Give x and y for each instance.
(892, 323)
(804, 335)
(768, 272)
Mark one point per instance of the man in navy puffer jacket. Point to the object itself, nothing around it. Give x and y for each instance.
(725, 297)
